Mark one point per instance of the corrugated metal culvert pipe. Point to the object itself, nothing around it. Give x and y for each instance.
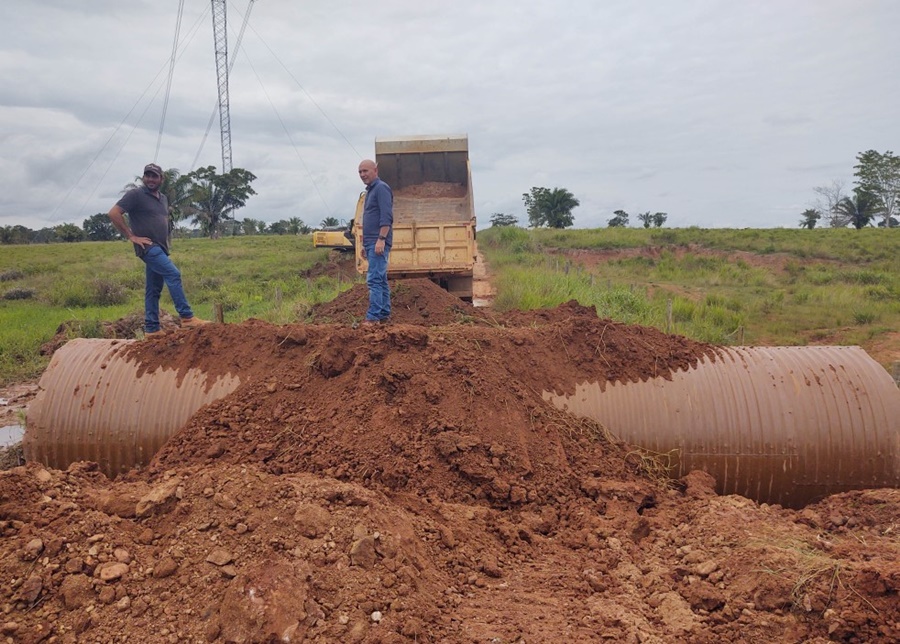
(783, 425)
(779, 425)
(92, 406)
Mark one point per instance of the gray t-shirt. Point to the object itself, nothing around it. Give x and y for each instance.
(148, 216)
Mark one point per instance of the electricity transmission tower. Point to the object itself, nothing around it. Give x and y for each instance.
(220, 33)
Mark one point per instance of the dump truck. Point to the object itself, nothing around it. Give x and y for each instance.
(434, 215)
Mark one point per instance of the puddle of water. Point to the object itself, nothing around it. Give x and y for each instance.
(11, 434)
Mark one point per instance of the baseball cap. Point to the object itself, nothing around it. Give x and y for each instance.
(152, 167)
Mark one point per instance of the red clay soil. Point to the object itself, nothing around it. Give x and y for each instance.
(407, 483)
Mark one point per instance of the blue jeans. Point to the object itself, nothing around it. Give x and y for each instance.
(160, 270)
(376, 280)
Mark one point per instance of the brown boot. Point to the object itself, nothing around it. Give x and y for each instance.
(154, 334)
(187, 323)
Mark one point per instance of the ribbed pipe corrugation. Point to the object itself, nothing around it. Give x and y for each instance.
(91, 405)
(783, 425)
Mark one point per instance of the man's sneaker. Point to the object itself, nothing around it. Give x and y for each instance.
(187, 323)
(154, 334)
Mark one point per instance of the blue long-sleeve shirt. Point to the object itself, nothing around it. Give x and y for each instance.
(378, 211)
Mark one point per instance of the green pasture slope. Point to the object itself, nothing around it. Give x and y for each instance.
(86, 283)
(773, 287)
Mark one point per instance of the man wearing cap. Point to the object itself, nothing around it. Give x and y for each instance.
(148, 229)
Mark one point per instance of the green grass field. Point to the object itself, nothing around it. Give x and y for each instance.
(86, 283)
(767, 287)
(773, 287)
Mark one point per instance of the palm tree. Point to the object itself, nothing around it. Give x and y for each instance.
(330, 222)
(177, 187)
(557, 206)
(215, 197)
(294, 224)
(860, 210)
(811, 216)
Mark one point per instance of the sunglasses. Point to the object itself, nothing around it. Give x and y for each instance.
(150, 174)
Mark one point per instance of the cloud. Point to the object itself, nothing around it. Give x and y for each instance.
(721, 114)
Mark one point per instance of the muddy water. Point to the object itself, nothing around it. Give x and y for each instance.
(10, 435)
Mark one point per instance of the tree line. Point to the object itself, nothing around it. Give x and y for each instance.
(208, 201)
(552, 208)
(203, 199)
(874, 201)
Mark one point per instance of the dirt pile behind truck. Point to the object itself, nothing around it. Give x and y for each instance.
(408, 483)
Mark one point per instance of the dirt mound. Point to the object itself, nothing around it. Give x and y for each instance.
(128, 327)
(432, 190)
(407, 483)
(416, 301)
(341, 265)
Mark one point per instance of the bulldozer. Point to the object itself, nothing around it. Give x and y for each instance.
(339, 238)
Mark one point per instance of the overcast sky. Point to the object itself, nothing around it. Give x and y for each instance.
(719, 112)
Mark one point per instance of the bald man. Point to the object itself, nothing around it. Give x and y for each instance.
(377, 237)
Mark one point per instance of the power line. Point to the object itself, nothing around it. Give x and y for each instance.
(303, 89)
(191, 34)
(162, 121)
(288, 134)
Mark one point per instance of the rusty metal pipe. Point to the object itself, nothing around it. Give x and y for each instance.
(779, 425)
(92, 406)
(783, 425)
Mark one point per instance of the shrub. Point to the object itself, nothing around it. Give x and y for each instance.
(664, 237)
(19, 294)
(819, 276)
(9, 276)
(69, 294)
(516, 239)
(772, 302)
(230, 301)
(98, 292)
(879, 293)
(683, 310)
(718, 316)
(714, 299)
(864, 277)
(108, 293)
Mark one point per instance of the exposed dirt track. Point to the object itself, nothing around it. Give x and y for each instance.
(407, 483)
